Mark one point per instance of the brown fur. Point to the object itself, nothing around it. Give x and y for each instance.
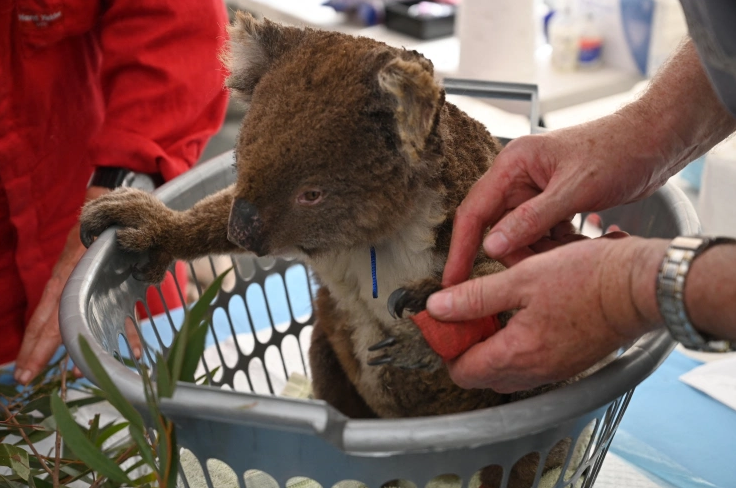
(366, 126)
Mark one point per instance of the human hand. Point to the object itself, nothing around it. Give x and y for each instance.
(539, 181)
(576, 304)
(42, 336)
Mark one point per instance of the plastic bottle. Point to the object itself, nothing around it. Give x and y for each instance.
(563, 37)
(589, 45)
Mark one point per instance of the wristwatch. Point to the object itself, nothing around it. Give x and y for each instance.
(113, 177)
(671, 277)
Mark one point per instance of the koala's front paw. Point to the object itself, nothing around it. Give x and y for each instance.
(406, 348)
(145, 224)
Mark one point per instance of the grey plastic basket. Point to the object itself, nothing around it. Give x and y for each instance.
(287, 438)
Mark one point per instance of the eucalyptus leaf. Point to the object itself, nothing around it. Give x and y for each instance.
(165, 384)
(144, 448)
(111, 392)
(108, 431)
(42, 483)
(182, 346)
(75, 438)
(16, 459)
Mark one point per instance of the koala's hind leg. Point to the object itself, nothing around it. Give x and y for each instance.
(332, 361)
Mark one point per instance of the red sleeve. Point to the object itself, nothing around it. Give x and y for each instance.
(162, 83)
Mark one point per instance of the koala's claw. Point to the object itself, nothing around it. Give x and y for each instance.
(380, 360)
(404, 300)
(388, 341)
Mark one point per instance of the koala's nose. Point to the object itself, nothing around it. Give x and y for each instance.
(245, 227)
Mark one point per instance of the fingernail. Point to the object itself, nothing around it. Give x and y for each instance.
(137, 352)
(496, 244)
(22, 376)
(440, 304)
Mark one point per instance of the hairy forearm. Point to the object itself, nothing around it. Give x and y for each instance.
(680, 114)
(710, 287)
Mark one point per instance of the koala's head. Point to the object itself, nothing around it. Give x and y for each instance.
(339, 141)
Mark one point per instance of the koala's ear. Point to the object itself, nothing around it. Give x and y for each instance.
(417, 96)
(254, 47)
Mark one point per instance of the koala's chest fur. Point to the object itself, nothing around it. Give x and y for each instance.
(407, 256)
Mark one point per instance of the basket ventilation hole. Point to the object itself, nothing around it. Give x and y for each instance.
(258, 479)
(277, 302)
(292, 355)
(297, 287)
(399, 483)
(580, 452)
(221, 474)
(214, 365)
(302, 482)
(241, 325)
(487, 477)
(525, 470)
(158, 331)
(240, 382)
(225, 340)
(446, 481)
(256, 303)
(305, 339)
(349, 484)
(258, 377)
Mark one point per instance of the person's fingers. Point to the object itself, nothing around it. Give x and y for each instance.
(617, 234)
(476, 298)
(515, 257)
(503, 362)
(501, 188)
(133, 338)
(41, 337)
(526, 224)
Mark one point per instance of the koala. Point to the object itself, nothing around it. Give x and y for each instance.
(347, 144)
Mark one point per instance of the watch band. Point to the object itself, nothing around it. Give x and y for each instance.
(671, 277)
(113, 177)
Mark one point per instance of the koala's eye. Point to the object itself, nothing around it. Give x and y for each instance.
(310, 197)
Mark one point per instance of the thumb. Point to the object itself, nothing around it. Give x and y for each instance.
(480, 297)
(526, 224)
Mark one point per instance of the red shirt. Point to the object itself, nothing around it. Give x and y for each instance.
(129, 83)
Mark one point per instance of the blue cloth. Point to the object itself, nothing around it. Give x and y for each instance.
(677, 433)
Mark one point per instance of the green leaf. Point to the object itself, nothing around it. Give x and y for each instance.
(144, 448)
(194, 352)
(16, 459)
(184, 344)
(78, 442)
(146, 478)
(10, 483)
(164, 383)
(83, 402)
(110, 391)
(108, 431)
(42, 483)
(136, 465)
(9, 391)
(41, 404)
(204, 378)
(94, 428)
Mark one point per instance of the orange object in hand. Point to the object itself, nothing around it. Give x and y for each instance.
(451, 339)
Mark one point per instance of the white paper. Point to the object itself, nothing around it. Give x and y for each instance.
(716, 379)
